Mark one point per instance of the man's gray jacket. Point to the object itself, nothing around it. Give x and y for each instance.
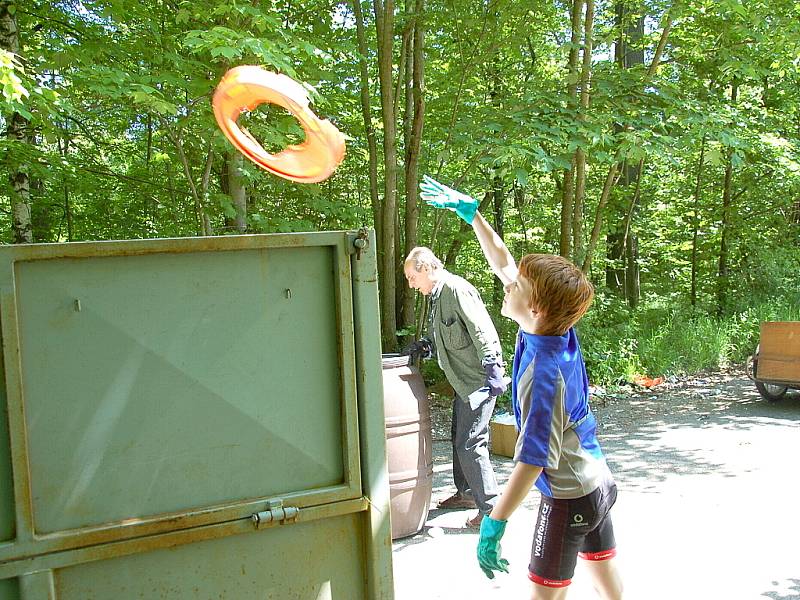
(462, 333)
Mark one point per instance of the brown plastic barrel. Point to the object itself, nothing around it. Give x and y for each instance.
(408, 444)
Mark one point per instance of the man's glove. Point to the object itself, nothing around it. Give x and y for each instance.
(489, 546)
(421, 348)
(441, 196)
(494, 379)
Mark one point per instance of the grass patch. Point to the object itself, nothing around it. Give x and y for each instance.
(654, 340)
(658, 340)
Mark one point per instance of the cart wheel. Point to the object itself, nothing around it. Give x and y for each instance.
(771, 391)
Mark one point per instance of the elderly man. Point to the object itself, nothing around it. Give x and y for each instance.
(462, 336)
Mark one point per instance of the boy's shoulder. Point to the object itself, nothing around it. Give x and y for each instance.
(550, 354)
(555, 345)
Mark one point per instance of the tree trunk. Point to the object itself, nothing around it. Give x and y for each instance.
(498, 197)
(401, 88)
(63, 148)
(615, 262)
(630, 240)
(199, 196)
(16, 131)
(632, 289)
(413, 145)
(630, 246)
(384, 19)
(616, 168)
(580, 154)
(68, 212)
(567, 197)
(205, 180)
(366, 111)
(498, 194)
(237, 190)
(22, 226)
(696, 219)
(598, 217)
(724, 233)
(149, 152)
(404, 297)
(623, 266)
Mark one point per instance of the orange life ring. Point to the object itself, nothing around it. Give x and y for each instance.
(245, 87)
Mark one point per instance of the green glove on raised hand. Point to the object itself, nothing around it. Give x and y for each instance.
(441, 196)
(489, 546)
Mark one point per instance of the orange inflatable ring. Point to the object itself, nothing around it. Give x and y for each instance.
(244, 88)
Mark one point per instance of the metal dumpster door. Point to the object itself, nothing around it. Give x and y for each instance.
(183, 419)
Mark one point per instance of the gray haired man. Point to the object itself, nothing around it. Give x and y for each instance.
(462, 336)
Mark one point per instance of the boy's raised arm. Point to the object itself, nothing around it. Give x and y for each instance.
(466, 207)
(495, 250)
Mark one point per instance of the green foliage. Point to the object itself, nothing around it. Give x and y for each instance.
(666, 336)
(13, 90)
(113, 92)
(658, 340)
(680, 343)
(431, 372)
(609, 339)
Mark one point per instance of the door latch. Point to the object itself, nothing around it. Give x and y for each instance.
(275, 513)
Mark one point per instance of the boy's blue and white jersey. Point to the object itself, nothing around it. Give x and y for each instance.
(550, 397)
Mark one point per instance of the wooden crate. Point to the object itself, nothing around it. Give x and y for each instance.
(504, 438)
(779, 352)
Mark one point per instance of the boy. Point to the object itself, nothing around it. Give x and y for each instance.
(557, 447)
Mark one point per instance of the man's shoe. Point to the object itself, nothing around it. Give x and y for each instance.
(457, 501)
(475, 522)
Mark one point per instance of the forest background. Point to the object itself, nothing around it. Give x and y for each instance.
(654, 143)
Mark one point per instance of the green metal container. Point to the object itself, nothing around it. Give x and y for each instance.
(193, 418)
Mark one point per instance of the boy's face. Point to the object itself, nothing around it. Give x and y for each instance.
(419, 280)
(516, 304)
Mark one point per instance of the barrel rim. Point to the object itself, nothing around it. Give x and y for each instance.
(391, 361)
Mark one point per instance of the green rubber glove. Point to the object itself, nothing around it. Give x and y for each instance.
(489, 546)
(441, 196)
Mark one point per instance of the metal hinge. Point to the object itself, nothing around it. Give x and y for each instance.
(361, 241)
(275, 513)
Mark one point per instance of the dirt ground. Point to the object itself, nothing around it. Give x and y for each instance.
(708, 490)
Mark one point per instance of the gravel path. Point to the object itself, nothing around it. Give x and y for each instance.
(704, 467)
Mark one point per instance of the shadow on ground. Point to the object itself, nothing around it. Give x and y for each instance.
(703, 466)
(649, 437)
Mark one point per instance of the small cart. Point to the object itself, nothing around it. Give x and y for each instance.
(775, 366)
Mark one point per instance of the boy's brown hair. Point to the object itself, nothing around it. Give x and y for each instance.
(559, 290)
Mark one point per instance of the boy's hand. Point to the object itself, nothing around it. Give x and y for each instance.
(489, 546)
(441, 196)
